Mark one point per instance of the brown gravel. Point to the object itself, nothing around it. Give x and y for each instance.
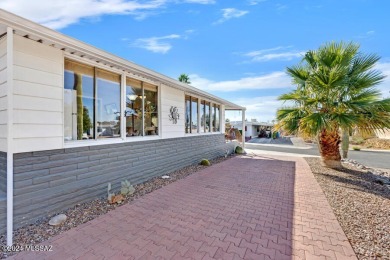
(361, 205)
(41, 231)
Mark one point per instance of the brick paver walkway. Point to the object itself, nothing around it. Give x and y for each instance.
(243, 208)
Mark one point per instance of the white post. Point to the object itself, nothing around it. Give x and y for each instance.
(122, 114)
(243, 128)
(10, 157)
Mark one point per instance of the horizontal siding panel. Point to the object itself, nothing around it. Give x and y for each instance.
(37, 117)
(3, 89)
(36, 144)
(3, 145)
(38, 63)
(34, 48)
(35, 103)
(3, 103)
(36, 131)
(3, 76)
(3, 117)
(3, 131)
(35, 90)
(3, 46)
(3, 61)
(37, 76)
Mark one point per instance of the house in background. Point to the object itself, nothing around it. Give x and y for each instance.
(74, 117)
(252, 128)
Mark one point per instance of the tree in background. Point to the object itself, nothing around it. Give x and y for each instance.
(335, 90)
(184, 78)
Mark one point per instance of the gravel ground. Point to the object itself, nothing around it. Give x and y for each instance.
(41, 231)
(361, 205)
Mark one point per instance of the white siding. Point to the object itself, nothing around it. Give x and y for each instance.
(172, 97)
(38, 96)
(3, 94)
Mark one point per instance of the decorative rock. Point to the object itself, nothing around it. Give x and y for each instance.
(165, 177)
(57, 220)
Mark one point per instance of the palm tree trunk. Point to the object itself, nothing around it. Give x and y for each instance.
(345, 142)
(329, 148)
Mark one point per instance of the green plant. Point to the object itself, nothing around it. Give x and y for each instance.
(335, 89)
(356, 148)
(239, 150)
(205, 162)
(127, 188)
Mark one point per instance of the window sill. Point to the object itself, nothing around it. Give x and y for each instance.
(73, 144)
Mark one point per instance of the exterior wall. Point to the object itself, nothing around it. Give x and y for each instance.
(38, 95)
(3, 94)
(3, 190)
(172, 97)
(49, 181)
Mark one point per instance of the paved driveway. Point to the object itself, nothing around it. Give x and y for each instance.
(243, 208)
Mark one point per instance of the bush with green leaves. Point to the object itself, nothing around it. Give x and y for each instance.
(127, 188)
(205, 162)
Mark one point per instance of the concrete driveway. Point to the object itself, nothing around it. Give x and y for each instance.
(248, 207)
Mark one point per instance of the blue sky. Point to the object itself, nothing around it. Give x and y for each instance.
(237, 49)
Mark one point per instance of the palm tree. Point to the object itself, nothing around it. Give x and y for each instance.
(184, 78)
(335, 90)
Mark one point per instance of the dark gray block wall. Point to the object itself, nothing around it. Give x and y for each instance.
(3, 190)
(46, 182)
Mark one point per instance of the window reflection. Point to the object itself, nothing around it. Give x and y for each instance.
(108, 104)
(133, 107)
(202, 117)
(79, 101)
(217, 123)
(207, 115)
(150, 109)
(194, 115)
(188, 114)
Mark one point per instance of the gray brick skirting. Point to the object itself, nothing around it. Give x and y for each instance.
(46, 182)
(3, 190)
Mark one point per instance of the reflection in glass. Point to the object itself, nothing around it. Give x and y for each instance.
(133, 107)
(212, 118)
(202, 117)
(207, 115)
(78, 101)
(108, 104)
(188, 114)
(217, 127)
(194, 115)
(150, 109)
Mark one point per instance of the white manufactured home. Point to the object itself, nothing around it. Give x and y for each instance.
(74, 117)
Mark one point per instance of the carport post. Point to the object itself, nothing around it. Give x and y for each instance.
(243, 128)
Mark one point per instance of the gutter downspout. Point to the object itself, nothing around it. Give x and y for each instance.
(243, 128)
(10, 157)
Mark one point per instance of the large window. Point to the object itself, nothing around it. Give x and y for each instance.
(217, 118)
(92, 104)
(79, 102)
(207, 117)
(191, 115)
(133, 107)
(108, 112)
(202, 116)
(150, 109)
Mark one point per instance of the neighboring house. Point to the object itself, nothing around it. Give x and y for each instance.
(74, 117)
(385, 134)
(252, 128)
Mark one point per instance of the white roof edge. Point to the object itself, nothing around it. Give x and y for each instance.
(31, 28)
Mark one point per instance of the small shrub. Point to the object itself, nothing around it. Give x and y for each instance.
(239, 150)
(356, 148)
(127, 188)
(205, 162)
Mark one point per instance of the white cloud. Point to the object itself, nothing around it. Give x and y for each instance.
(204, 2)
(229, 13)
(58, 14)
(255, 2)
(156, 44)
(268, 81)
(277, 53)
(160, 44)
